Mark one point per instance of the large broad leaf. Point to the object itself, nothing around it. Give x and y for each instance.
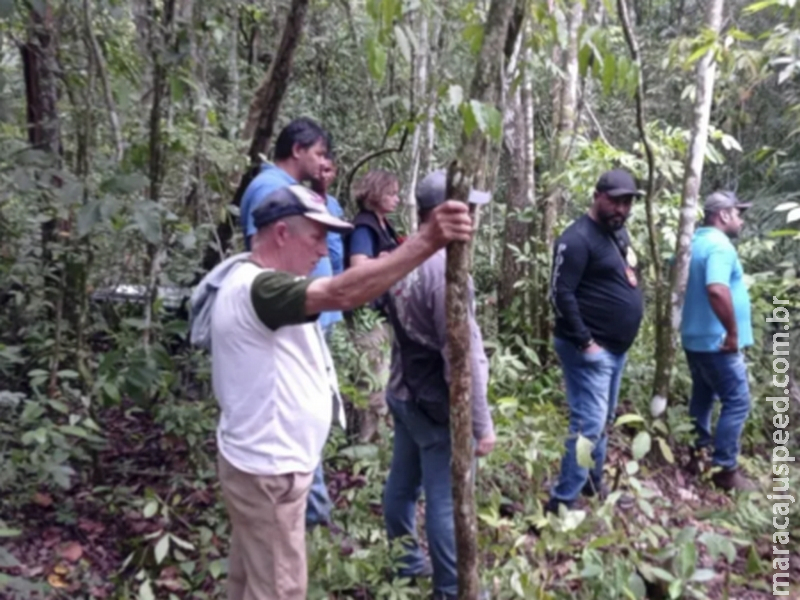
(703, 575)
(666, 451)
(483, 116)
(162, 547)
(609, 72)
(455, 96)
(146, 591)
(628, 418)
(641, 445)
(636, 586)
(583, 448)
(757, 6)
(147, 218)
(88, 216)
(403, 41)
(585, 56)
(700, 52)
(125, 183)
(687, 560)
(473, 35)
(717, 545)
(376, 59)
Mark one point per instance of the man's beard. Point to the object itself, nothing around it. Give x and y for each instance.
(611, 222)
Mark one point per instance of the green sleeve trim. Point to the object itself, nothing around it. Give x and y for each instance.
(279, 299)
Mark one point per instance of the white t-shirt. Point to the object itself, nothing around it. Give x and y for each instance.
(271, 373)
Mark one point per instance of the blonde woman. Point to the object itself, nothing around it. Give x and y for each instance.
(376, 194)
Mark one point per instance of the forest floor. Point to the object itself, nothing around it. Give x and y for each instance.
(147, 521)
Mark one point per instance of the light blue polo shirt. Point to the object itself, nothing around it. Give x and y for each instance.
(272, 178)
(335, 243)
(713, 260)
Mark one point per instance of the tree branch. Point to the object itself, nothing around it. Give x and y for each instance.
(267, 101)
(374, 154)
(596, 123)
(94, 48)
(633, 46)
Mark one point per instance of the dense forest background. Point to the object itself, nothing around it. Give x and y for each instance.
(125, 129)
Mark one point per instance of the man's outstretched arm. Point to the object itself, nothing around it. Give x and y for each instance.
(362, 283)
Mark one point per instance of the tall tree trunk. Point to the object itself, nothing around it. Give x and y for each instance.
(41, 82)
(518, 144)
(261, 119)
(267, 101)
(486, 86)
(196, 202)
(40, 67)
(419, 97)
(569, 89)
(233, 78)
(356, 39)
(161, 45)
(553, 201)
(655, 257)
(99, 63)
(437, 40)
(669, 321)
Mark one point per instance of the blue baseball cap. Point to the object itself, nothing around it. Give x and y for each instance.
(296, 200)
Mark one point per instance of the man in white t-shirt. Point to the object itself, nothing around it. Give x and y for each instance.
(274, 381)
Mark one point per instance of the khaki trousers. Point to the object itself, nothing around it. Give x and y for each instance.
(268, 545)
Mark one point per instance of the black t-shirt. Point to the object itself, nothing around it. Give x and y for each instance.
(594, 289)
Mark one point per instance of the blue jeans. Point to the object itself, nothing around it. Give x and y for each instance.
(318, 508)
(421, 461)
(723, 375)
(592, 381)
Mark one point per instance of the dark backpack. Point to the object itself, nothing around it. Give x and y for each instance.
(423, 372)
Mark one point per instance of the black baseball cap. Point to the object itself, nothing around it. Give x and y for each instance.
(722, 200)
(432, 191)
(296, 200)
(617, 182)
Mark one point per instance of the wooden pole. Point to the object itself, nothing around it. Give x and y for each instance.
(467, 169)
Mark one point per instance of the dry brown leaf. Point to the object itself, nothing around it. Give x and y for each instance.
(90, 526)
(72, 552)
(41, 499)
(33, 571)
(56, 581)
(61, 570)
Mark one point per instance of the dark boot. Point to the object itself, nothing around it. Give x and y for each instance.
(625, 502)
(591, 489)
(732, 479)
(551, 506)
